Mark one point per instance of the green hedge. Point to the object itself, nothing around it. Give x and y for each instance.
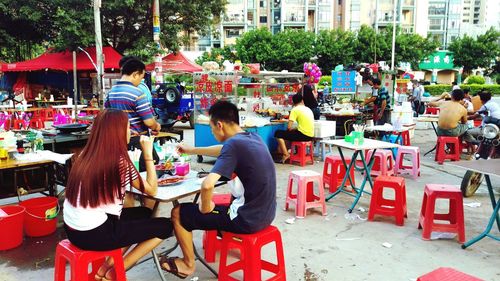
(436, 90)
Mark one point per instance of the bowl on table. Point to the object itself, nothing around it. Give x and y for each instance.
(165, 168)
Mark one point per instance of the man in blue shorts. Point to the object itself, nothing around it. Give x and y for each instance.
(253, 207)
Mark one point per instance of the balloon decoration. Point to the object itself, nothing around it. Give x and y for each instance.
(313, 73)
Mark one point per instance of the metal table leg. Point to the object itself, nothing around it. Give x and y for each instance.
(435, 146)
(367, 169)
(494, 216)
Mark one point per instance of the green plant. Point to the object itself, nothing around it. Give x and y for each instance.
(325, 78)
(475, 79)
(436, 90)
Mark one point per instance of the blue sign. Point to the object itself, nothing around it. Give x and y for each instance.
(343, 81)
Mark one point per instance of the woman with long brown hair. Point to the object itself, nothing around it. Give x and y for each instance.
(94, 217)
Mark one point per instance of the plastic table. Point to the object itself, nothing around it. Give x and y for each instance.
(358, 152)
(490, 167)
(171, 194)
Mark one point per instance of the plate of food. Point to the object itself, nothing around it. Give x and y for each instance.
(170, 180)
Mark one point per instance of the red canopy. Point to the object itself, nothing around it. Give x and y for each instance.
(176, 63)
(64, 61)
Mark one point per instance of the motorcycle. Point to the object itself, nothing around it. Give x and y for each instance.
(489, 148)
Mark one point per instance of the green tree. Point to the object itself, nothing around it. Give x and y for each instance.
(291, 49)
(255, 46)
(473, 53)
(413, 48)
(126, 24)
(369, 45)
(218, 55)
(335, 47)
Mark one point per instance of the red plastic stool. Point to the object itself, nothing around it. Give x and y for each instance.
(305, 198)
(455, 215)
(405, 136)
(250, 261)
(453, 143)
(79, 261)
(212, 243)
(383, 164)
(298, 152)
(388, 207)
(48, 114)
(6, 124)
(432, 110)
(447, 274)
(37, 123)
(17, 124)
(334, 172)
(414, 168)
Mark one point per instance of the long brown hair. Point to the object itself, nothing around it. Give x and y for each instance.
(99, 171)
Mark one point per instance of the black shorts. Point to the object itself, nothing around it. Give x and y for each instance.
(293, 135)
(218, 219)
(135, 225)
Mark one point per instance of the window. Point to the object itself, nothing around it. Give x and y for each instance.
(436, 24)
(437, 9)
(263, 19)
(263, 4)
(232, 33)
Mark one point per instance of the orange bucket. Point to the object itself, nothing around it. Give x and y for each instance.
(11, 223)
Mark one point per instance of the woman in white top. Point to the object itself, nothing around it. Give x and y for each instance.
(94, 217)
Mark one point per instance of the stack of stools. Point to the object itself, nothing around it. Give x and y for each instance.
(250, 261)
(447, 274)
(455, 215)
(302, 152)
(334, 172)
(453, 144)
(383, 164)
(79, 261)
(383, 206)
(211, 242)
(414, 168)
(48, 114)
(37, 120)
(305, 198)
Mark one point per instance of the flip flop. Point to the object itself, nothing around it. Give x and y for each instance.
(173, 267)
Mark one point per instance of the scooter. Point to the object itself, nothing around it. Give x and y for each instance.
(489, 148)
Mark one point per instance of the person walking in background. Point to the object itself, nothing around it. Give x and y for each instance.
(305, 127)
(125, 96)
(310, 96)
(94, 216)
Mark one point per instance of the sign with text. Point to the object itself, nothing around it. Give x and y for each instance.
(343, 81)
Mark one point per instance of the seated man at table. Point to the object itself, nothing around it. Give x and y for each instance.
(254, 200)
(305, 126)
(453, 117)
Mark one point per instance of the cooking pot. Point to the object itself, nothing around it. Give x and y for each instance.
(68, 128)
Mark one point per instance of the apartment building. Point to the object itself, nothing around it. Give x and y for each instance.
(480, 15)
(276, 15)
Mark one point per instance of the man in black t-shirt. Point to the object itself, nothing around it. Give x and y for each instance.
(253, 207)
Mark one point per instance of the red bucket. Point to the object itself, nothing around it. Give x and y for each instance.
(40, 218)
(11, 224)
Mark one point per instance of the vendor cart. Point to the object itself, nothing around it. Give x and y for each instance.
(263, 99)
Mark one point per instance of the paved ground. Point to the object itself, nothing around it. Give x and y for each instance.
(333, 247)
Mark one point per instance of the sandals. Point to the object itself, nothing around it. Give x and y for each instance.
(172, 265)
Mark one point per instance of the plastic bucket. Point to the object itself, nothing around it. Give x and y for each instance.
(11, 225)
(40, 218)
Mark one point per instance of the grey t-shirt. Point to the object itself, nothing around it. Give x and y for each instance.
(246, 155)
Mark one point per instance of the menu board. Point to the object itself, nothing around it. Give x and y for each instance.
(343, 81)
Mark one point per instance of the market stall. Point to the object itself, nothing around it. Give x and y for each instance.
(263, 100)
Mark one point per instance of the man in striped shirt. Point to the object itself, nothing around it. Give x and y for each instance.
(125, 96)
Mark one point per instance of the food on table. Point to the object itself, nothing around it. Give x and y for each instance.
(170, 180)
